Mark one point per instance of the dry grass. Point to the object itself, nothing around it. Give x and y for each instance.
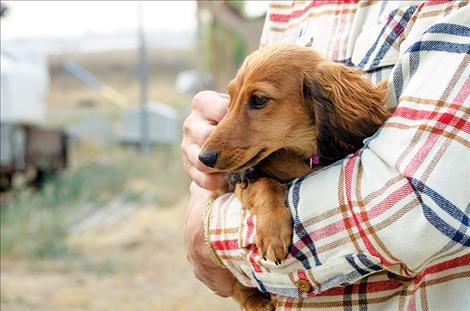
(134, 263)
(108, 233)
(42, 219)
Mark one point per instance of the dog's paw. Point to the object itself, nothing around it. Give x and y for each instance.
(274, 235)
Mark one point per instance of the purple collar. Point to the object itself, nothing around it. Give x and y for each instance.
(314, 160)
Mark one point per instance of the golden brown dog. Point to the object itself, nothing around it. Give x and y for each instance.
(287, 104)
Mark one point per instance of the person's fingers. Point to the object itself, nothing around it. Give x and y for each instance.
(190, 149)
(200, 133)
(212, 105)
(218, 280)
(192, 154)
(202, 175)
(208, 109)
(196, 129)
(208, 181)
(198, 193)
(184, 154)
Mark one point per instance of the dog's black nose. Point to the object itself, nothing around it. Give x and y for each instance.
(208, 157)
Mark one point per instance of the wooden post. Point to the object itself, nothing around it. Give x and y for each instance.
(222, 56)
(215, 54)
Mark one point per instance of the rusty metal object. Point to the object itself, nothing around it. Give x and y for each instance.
(41, 150)
(46, 149)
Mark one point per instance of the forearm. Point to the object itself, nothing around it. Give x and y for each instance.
(399, 205)
(369, 228)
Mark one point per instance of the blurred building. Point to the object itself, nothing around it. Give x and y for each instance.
(163, 122)
(24, 144)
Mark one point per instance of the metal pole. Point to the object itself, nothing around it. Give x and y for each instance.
(144, 112)
(199, 48)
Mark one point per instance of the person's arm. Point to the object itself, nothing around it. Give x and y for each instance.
(217, 278)
(399, 204)
(208, 108)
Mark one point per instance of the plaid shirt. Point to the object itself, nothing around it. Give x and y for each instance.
(388, 227)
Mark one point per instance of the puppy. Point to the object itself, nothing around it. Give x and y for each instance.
(291, 112)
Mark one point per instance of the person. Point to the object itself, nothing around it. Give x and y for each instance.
(386, 228)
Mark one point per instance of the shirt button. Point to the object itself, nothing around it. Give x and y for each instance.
(303, 286)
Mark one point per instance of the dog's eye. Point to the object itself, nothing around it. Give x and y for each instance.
(258, 101)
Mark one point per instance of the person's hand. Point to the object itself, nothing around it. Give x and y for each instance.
(217, 279)
(208, 108)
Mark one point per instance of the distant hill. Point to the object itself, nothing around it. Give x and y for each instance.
(98, 43)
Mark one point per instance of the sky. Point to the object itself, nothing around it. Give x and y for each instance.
(66, 19)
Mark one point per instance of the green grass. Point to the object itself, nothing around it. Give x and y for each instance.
(36, 224)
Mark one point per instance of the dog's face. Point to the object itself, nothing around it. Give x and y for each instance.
(280, 99)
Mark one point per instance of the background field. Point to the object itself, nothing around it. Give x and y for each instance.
(107, 234)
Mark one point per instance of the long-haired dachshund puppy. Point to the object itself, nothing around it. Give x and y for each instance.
(290, 112)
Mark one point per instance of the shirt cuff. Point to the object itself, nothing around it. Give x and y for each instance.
(231, 239)
(206, 221)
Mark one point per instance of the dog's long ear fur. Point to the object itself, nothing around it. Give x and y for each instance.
(347, 108)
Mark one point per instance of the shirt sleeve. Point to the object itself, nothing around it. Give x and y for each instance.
(399, 204)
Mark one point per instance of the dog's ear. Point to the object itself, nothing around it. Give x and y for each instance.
(346, 106)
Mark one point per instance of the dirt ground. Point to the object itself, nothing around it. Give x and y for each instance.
(134, 262)
(129, 257)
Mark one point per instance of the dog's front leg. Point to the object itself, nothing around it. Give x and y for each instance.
(265, 198)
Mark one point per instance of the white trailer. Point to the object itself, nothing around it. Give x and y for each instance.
(24, 142)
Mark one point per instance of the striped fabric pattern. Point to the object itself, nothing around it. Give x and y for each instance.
(386, 228)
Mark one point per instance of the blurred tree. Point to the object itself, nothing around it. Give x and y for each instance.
(3, 10)
(226, 35)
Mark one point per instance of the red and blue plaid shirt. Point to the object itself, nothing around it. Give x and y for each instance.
(386, 228)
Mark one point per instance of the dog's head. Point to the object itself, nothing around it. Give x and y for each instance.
(289, 97)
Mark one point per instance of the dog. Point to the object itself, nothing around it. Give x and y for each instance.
(291, 112)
